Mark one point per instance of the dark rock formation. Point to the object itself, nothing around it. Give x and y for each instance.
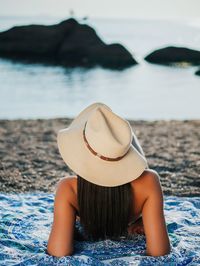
(197, 72)
(67, 43)
(171, 55)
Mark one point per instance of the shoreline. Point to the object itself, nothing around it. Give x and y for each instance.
(30, 161)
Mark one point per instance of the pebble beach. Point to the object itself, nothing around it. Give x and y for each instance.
(30, 160)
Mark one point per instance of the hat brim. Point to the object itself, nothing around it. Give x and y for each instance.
(83, 162)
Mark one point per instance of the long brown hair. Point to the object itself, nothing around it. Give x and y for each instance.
(104, 211)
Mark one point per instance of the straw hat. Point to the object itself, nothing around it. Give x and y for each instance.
(97, 145)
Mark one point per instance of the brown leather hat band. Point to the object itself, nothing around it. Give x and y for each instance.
(96, 153)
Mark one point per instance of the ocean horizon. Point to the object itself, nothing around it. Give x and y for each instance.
(142, 92)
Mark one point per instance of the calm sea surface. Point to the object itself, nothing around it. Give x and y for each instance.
(145, 91)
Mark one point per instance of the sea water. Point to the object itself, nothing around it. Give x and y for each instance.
(26, 221)
(145, 91)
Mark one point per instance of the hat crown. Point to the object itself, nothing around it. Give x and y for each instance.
(108, 134)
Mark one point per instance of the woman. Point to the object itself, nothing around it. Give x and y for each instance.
(113, 186)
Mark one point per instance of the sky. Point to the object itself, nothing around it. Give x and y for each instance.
(149, 9)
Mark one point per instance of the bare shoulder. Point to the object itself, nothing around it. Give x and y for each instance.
(153, 184)
(66, 181)
(147, 183)
(65, 186)
(148, 176)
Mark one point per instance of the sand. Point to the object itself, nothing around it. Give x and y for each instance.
(30, 161)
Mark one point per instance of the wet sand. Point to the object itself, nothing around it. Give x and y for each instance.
(30, 161)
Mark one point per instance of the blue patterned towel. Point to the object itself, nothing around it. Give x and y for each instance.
(26, 222)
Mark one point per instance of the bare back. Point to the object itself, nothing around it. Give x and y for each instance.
(138, 194)
(147, 200)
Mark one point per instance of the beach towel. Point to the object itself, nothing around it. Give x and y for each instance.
(26, 221)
